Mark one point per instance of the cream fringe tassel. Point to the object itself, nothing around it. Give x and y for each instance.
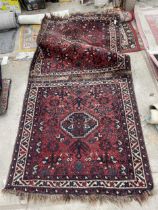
(118, 200)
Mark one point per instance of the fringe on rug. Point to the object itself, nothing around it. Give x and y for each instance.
(111, 13)
(85, 14)
(117, 12)
(93, 198)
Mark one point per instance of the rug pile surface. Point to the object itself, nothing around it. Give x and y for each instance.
(4, 95)
(80, 134)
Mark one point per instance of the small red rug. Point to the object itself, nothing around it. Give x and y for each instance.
(80, 134)
(112, 34)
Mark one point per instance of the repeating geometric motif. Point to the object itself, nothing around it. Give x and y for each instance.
(105, 33)
(80, 130)
(141, 179)
(122, 62)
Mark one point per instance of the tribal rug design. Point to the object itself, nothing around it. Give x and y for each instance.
(95, 30)
(80, 132)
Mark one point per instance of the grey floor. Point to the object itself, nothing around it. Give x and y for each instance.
(146, 90)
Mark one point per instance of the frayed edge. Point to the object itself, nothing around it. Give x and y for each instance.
(109, 12)
(115, 12)
(93, 198)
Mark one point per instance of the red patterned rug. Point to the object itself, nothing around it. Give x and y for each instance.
(112, 34)
(80, 134)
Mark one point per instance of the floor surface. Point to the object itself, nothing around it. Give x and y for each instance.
(146, 90)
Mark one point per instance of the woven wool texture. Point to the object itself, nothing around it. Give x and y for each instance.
(80, 133)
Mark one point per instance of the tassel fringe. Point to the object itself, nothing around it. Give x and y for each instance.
(109, 12)
(117, 200)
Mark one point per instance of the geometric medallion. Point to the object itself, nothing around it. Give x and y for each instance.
(79, 124)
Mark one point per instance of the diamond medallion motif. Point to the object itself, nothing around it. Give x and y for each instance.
(79, 124)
